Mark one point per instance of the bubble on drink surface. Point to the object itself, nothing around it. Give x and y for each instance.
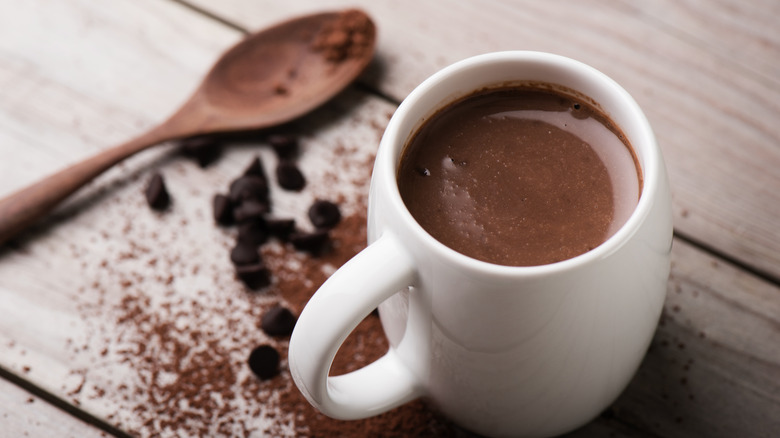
(423, 171)
(448, 163)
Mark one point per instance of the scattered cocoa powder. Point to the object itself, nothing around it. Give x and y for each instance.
(171, 329)
(189, 373)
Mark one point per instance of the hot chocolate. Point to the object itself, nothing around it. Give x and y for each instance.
(520, 176)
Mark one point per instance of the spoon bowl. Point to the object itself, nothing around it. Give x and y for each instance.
(283, 72)
(269, 78)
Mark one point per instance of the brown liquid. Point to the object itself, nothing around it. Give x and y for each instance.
(519, 177)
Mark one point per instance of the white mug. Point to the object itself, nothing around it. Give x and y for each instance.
(502, 351)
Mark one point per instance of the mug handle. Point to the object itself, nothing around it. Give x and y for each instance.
(349, 295)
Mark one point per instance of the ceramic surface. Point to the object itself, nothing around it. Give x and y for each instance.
(502, 351)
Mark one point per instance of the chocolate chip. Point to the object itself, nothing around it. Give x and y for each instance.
(253, 232)
(204, 150)
(285, 146)
(223, 210)
(278, 321)
(289, 176)
(244, 253)
(249, 187)
(264, 362)
(249, 210)
(324, 214)
(281, 228)
(254, 276)
(313, 242)
(255, 168)
(156, 194)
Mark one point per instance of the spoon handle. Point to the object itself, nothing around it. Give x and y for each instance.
(21, 209)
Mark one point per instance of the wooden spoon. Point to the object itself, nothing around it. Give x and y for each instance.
(269, 78)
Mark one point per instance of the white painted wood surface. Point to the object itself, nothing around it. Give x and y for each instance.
(78, 76)
(25, 415)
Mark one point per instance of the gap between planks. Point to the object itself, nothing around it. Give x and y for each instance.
(714, 252)
(61, 404)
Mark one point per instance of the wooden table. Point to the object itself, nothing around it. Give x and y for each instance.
(77, 76)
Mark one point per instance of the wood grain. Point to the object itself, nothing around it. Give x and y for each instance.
(713, 368)
(75, 79)
(25, 415)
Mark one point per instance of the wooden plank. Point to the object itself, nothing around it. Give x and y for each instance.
(743, 33)
(75, 78)
(713, 368)
(706, 74)
(25, 415)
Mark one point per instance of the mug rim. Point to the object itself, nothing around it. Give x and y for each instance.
(394, 141)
